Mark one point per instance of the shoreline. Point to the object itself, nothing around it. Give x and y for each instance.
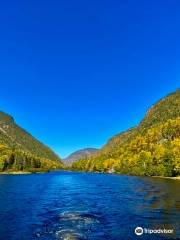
(22, 172)
(15, 173)
(173, 178)
(41, 172)
(28, 172)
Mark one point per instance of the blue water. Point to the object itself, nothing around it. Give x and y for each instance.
(70, 205)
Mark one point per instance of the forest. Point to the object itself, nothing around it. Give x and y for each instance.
(20, 151)
(150, 149)
(18, 160)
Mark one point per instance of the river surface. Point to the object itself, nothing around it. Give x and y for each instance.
(77, 206)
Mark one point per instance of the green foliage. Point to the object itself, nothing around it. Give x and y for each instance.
(19, 151)
(14, 136)
(150, 149)
(166, 108)
(18, 160)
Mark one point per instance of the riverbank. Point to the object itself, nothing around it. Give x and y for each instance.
(38, 172)
(15, 172)
(23, 172)
(174, 178)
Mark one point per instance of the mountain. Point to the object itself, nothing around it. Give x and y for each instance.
(20, 150)
(165, 109)
(80, 154)
(150, 149)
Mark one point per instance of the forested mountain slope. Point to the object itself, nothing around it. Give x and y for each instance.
(19, 150)
(151, 149)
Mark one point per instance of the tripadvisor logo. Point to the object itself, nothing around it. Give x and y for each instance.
(139, 231)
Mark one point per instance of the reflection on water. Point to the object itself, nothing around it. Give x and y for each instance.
(70, 206)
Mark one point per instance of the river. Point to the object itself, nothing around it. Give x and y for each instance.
(71, 205)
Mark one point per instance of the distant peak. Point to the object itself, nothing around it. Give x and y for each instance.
(80, 154)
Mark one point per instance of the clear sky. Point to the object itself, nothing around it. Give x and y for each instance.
(74, 73)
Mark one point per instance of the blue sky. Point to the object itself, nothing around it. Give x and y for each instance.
(74, 73)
